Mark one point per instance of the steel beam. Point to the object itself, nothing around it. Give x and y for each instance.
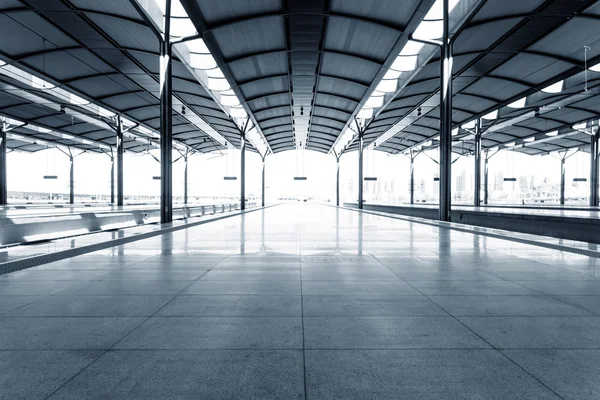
(120, 149)
(594, 167)
(243, 172)
(477, 149)
(3, 179)
(445, 119)
(360, 168)
(166, 123)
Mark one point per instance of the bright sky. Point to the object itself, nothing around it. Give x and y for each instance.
(206, 172)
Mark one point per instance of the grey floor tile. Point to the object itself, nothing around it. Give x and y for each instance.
(35, 275)
(358, 288)
(462, 288)
(370, 306)
(418, 374)
(36, 374)
(565, 288)
(537, 332)
(199, 374)
(44, 333)
(589, 303)
(572, 374)
(167, 274)
(429, 274)
(216, 333)
(348, 274)
(388, 333)
(508, 306)
(290, 288)
(127, 287)
(233, 306)
(94, 306)
(19, 288)
(9, 303)
(252, 274)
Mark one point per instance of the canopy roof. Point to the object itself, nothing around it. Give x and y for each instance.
(103, 52)
(304, 72)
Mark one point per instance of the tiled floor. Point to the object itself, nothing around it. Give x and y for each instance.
(305, 301)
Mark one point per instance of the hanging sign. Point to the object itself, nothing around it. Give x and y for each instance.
(50, 177)
(230, 178)
(156, 178)
(299, 178)
(436, 179)
(579, 179)
(370, 178)
(510, 179)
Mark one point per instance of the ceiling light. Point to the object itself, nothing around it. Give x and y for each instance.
(518, 104)
(231, 101)
(469, 125)
(404, 63)
(202, 61)
(492, 115)
(218, 84)
(365, 113)
(374, 101)
(554, 88)
(411, 48)
(387, 85)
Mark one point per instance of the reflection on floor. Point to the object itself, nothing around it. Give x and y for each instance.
(305, 301)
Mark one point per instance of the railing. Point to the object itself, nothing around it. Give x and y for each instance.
(35, 228)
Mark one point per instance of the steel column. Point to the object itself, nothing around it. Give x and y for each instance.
(562, 180)
(485, 178)
(412, 179)
(185, 181)
(112, 179)
(3, 179)
(243, 172)
(71, 180)
(594, 167)
(337, 182)
(477, 188)
(166, 131)
(445, 119)
(120, 149)
(360, 169)
(263, 182)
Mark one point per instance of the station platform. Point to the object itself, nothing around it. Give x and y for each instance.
(572, 223)
(305, 301)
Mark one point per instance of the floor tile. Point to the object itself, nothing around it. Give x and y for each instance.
(190, 374)
(37, 374)
(370, 306)
(45, 333)
(233, 306)
(537, 332)
(216, 333)
(418, 374)
(388, 333)
(572, 374)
